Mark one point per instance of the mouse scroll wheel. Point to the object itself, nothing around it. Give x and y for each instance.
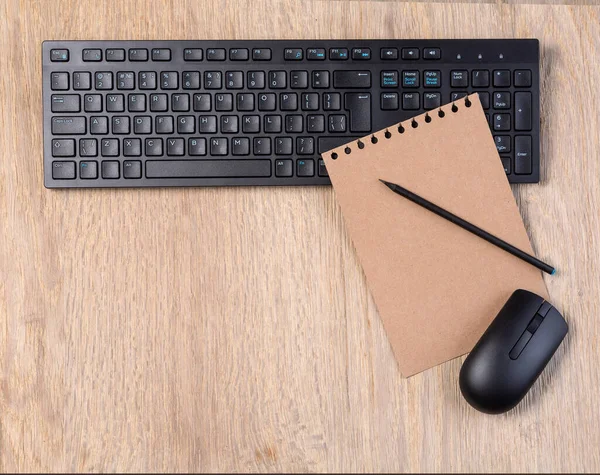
(535, 323)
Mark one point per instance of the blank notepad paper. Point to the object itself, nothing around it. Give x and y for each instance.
(436, 286)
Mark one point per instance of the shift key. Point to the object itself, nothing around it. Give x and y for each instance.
(68, 125)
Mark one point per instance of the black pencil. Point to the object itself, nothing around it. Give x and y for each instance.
(470, 227)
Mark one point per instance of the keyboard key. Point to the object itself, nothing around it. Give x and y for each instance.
(88, 170)
(523, 155)
(389, 79)
(59, 81)
(154, 147)
(82, 81)
(229, 124)
(284, 168)
(192, 54)
(98, 125)
(502, 143)
(202, 102)
(213, 80)
(59, 55)
(389, 53)
(186, 124)
(65, 103)
(207, 124)
(283, 146)
(68, 125)
(110, 169)
(256, 80)
(190, 80)
(305, 146)
(63, 170)
(313, 54)
(523, 119)
(502, 78)
(132, 169)
(410, 53)
(218, 146)
(92, 103)
(272, 124)
(455, 96)
(125, 80)
(522, 78)
(361, 53)
(337, 123)
(234, 80)
(459, 78)
(293, 54)
(215, 54)
(484, 98)
(109, 148)
(294, 123)
(502, 100)
(310, 101)
(251, 124)
(359, 106)
(147, 80)
(169, 80)
(115, 103)
(132, 147)
(261, 54)
(320, 79)
(501, 122)
(92, 55)
(180, 102)
(88, 148)
(322, 168)
(158, 102)
(240, 146)
(268, 102)
(239, 54)
(332, 101)
(329, 143)
(161, 54)
(480, 78)
(432, 79)
(103, 80)
(142, 125)
(120, 125)
(410, 101)
(245, 102)
(63, 148)
(306, 167)
(432, 53)
(338, 54)
(115, 54)
(197, 146)
(389, 101)
(262, 146)
(410, 78)
(432, 100)
(315, 123)
(224, 102)
(176, 147)
(299, 79)
(277, 79)
(138, 54)
(506, 164)
(208, 168)
(351, 79)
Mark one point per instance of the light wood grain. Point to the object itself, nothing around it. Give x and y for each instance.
(231, 329)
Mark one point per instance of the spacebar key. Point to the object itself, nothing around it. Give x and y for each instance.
(208, 168)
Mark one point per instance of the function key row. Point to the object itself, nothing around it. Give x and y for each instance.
(243, 54)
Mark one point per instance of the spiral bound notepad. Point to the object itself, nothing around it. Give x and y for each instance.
(436, 286)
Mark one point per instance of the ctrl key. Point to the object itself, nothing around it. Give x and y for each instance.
(63, 170)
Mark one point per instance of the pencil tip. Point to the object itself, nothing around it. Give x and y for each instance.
(388, 184)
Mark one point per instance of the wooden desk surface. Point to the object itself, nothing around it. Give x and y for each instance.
(231, 329)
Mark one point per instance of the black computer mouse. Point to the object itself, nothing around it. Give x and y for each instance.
(512, 353)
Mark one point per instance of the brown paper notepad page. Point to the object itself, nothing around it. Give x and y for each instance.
(436, 286)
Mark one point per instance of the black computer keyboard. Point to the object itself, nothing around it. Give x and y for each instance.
(217, 113)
